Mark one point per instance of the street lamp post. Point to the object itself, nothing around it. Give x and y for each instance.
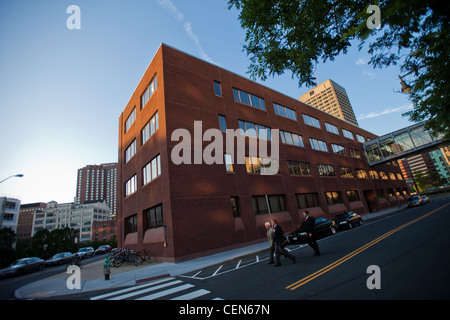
(15, 175)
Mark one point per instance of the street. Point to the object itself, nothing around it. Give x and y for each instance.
(9, 285)
(403, 256)
(413, 261)
(398, 257)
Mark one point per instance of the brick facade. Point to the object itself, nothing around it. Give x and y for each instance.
(197, 216)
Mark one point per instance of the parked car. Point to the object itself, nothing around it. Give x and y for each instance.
(59, 258)
(425, 199)
(85, 252)
(415, 201)
(322, 226)
(103, 249)
(347, 220)
(22, 266)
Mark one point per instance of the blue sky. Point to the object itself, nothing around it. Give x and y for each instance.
(62, 91)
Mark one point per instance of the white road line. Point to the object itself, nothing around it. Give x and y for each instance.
(146, 290)
(218, 269)
(166, 292)
(192, 295)
(131, 288)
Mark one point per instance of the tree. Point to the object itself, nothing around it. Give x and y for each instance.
(296, 35)
(7, 253)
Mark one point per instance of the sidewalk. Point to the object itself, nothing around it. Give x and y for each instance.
(92, 278)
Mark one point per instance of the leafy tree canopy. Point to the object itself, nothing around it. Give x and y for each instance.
(295, 35)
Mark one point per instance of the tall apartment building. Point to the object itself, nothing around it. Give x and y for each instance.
(178, 210)
(332, 98)
(9, 213)
(26, 215)
(426, 163)
(80, 217)
(98, 182)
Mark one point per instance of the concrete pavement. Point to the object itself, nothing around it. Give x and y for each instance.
(92, 278)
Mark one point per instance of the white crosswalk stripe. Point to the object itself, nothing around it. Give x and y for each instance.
(167, 288)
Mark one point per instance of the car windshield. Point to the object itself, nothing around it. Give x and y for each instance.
(82, 250)
(58, 255)
(20, 262)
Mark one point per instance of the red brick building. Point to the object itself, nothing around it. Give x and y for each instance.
(182, 211)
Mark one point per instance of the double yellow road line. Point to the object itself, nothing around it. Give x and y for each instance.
(356, 252)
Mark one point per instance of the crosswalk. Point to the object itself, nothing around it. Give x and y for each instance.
(167, 288)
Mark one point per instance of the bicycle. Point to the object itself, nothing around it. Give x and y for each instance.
(144, 257)
(124, 255)
(76, 260)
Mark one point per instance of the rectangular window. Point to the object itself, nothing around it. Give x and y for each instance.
(151, 170)
(299, 168)
(151, 88)
(284, 111)
(318, 144)
(338, 149)
(254, 130)
(333, 197)
(331, 128)
(248, 99)
(354, 153)
(277, 203)
(228, 162)
(347, 134)
(222, 123)
(217, 88)
(153, 217)
(308, 200)
(260, 205)
(362, 174)
(130, 151)
(150, 128)
(360, 138)
(259, 165)
(130, 120)
(291, 138)
(346, 172)
(130, 224)
(311, 121)
(235, 206)
(326, 170)
(352, 195)
(131, 186)
(373, 174)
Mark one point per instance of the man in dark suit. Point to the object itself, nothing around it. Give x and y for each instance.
(311, 233)
(278, 237)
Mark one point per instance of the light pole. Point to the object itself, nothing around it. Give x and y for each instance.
(15, 175)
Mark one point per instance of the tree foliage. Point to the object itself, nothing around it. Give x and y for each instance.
(296, 35)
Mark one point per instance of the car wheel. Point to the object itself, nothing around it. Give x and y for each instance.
(360, 223)
(332, 231)
(41, 266)
(350, 225)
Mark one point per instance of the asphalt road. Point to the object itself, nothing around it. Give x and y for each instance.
(410, 250)
(9, 285)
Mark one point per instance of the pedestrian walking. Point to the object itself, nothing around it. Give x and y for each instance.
(269, 231)
(311, 233)
(279, 239)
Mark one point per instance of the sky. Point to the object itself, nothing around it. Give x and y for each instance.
(62, 90)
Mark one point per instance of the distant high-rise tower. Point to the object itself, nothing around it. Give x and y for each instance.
(331, 98)
(98, 182)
